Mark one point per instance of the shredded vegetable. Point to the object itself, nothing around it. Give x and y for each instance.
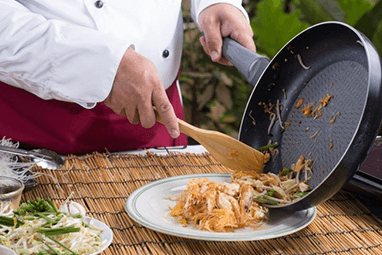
(11, 166)
(37, 227)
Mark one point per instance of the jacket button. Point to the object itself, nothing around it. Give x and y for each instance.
(98, 4)
(165, 53)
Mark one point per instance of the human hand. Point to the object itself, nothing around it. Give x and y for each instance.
(137, 89)
(222, 20)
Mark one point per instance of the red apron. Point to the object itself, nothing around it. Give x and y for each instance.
(68, 128)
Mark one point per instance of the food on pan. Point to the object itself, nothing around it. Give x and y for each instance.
(37, 227)
(299, 103)
(301, 62)
(273, 117)
(332, 119)
(310, 110)
(223, 207)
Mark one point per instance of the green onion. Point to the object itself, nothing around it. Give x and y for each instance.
(41, 253)
(57, 231)
(50, 222)
(52, 205)
(20, 211)
(30, 218)
(271, 192)
(10, 222)
(6, 221)
(266, 147)
(286, 172)
(34, 203)
(41, 205)
(49, 247)
(77, 216)
(268, 201)
(63, 246)
(300, 194)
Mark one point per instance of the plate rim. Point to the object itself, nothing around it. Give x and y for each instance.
(105, 229)
(134, 214)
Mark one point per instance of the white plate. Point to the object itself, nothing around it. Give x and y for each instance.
(106, 234)
(4, 250)
(148, 206)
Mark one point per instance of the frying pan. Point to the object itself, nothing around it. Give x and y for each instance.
(330, 58)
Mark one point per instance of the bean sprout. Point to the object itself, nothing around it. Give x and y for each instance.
(301, 63)
(44, 231)
(279, 115)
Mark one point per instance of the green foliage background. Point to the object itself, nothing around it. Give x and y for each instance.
(215, 96)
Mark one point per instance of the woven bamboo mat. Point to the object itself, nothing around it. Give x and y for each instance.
(102, 183)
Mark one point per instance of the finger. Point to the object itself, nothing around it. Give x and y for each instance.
(166, 112)
(245, 40)
(122, 112)
(242, 34)
(132, 115)
(222, 60)
(213, 39)
(116, 108)
(146, 114)
(136, 118)
(202, 40)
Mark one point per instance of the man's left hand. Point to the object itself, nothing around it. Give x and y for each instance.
(222, 20)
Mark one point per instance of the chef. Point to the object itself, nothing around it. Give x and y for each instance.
(79, 76)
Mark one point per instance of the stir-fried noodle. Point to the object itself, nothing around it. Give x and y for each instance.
(222, 207)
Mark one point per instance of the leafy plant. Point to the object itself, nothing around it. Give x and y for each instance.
(354, 9)
(364, 15)
(274, 27)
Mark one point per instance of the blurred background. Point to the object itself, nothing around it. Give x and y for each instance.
(215, 96)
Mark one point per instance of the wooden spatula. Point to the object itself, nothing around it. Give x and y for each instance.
(228, 151)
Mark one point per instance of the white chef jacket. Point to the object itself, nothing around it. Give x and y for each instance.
(70, 50)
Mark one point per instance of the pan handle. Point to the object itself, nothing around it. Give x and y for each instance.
(249, 63)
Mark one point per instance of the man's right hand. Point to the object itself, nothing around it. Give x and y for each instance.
(137, 88)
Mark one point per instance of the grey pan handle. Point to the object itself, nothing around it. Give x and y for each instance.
(249, 63)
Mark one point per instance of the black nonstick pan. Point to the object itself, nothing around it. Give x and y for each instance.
(329, 58)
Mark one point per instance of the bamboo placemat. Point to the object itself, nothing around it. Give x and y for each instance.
(102, 183)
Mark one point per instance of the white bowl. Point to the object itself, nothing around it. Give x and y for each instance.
(4, 250)
(10, 192)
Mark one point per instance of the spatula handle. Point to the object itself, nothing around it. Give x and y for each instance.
(189, 129)
(184, 127)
